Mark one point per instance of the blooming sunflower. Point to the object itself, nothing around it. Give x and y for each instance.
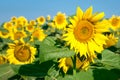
(13, 19)
(65, 64)
(30, 27)
(3, 59)
(48, 17)
(38, 33)
(4, 34)
(115, 22)
(20, 53)
(112, 40)
(84, 34)
(22, 21)
(32, 22)
(8, 26)
(41, 20)
(17, 34)
(81, 64)
(60, 20)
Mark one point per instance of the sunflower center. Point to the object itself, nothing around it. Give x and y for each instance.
(30, 27)
(60, 19)
(22, 53)
(36, 34)
(2, 60)
(115, 21)
(18, 35)
(83, 31)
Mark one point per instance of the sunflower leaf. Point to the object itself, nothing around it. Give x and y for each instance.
(49, 41)
(51, 52)
(35, 70)
(110, 59)
(6, 72)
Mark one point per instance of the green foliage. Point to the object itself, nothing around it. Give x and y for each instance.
(6, 72)
(110, 59)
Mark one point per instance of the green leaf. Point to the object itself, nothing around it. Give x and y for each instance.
(51, 52)
(49, 41)
(36, 70)
(6, 72)
(82, 75)
(104, 74)
(110, 59)
(53, 73)
(92, 74)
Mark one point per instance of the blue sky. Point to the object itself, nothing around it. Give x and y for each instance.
(32, 9)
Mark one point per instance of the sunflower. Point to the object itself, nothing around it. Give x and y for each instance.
(84, 34)
(4, 34)
(8, 26)
(81, 63)
(17, 34)
(13, 19)
(20, 53)
(30, 27)
(65, 64)
(60, 20)
(115, 22)
(48, 17)
(41, 20)
(22, 21)
(38, 33)
(32, 22)
(112, 40)
(3, 59)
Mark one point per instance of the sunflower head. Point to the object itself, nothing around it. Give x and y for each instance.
(3, 59)
(32, 22)
(21, 21)
(13, 19)
(17, 34)
(60, 20)
(112, 40)
(4, 34)
(115, 22)
(8, 26)
(38, 33)
(48, 17)
(30, 27)
(41, 20)
(82, 63)
(65, 64)
(84, 34)
(21, 53)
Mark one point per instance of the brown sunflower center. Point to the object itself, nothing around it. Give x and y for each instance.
(2, 60)
(36, 34)
(18, 35)
(83, 31)
(4, 33)
(41, 19)
(22, 53)
(30, 27)
(115, 21)
(60, 19)
(69, 62)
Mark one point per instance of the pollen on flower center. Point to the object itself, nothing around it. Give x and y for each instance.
(22, 53)
(83, 31)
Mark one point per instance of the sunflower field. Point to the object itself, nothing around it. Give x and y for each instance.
(83, 46)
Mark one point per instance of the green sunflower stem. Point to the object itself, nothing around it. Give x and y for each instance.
(74, 65)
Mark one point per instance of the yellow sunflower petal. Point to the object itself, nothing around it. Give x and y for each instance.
(79, 13)
(88, 13)
(97, 17)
